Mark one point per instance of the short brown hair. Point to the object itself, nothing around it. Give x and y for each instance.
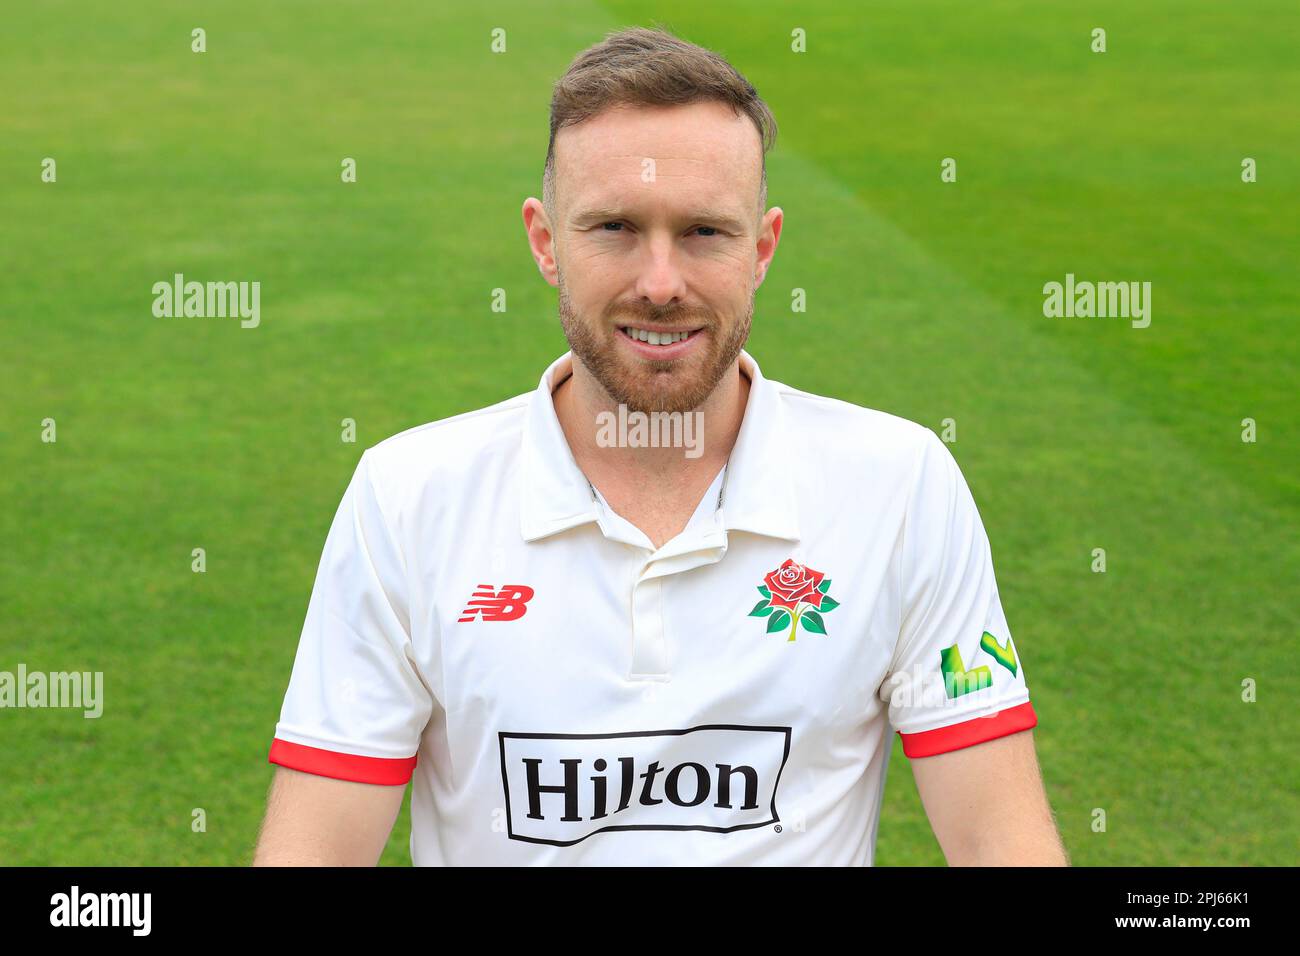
(651, 67)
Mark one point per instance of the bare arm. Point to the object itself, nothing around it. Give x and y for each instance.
(987, 805)
(319, 821)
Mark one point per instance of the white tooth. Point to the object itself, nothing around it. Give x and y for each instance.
(642, 334)
(654, 338)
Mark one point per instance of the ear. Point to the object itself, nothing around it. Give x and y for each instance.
(769, 234)
(541, 239)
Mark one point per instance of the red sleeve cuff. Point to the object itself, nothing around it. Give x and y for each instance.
(330, 763)
(977, 730)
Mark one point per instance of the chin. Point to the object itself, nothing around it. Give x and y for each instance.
(681, 390)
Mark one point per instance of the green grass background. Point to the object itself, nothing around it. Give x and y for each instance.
(924, 300)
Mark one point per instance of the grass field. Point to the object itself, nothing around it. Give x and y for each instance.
(924, 299)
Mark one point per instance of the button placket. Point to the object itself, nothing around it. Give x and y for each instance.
(649, 636)
(649, 652)
(690, 549)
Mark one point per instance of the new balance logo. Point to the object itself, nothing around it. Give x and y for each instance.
(508, 604)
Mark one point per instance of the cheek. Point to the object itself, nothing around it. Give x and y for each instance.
(724, 284)
(591, 286)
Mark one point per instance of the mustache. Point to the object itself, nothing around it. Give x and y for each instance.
(675, 315)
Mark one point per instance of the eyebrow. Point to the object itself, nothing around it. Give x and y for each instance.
(707, 216)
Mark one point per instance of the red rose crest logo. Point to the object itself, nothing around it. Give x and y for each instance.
(794, 593)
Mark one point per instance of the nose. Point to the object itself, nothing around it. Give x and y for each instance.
(660, 280)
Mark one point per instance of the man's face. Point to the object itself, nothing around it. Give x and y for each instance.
(656, 228)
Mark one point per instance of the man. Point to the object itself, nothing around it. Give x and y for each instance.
(587, 647)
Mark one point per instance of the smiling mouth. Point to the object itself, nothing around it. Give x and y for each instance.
(656, 338)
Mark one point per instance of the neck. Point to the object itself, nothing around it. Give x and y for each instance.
(582, 406)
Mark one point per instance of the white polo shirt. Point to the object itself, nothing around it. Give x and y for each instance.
(561, 692)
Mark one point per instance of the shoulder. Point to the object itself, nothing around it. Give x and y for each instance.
(854, 439)
(448, 453)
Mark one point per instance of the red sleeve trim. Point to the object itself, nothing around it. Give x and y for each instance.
(977, 730)
(330, 763)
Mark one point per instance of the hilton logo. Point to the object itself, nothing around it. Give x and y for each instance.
(563, 788)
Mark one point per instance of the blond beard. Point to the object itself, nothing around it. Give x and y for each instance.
(647, 389)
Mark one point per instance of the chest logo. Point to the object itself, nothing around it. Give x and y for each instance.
(794, 593)
(508, 604)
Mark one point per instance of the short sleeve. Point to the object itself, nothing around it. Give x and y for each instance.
(956, 678)
(356, 705)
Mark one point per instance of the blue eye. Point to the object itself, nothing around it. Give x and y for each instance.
(712, 230)
(617, 225)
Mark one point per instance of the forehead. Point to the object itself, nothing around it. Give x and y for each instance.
(700, 151)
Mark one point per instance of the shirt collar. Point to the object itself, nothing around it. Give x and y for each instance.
(759, 491)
